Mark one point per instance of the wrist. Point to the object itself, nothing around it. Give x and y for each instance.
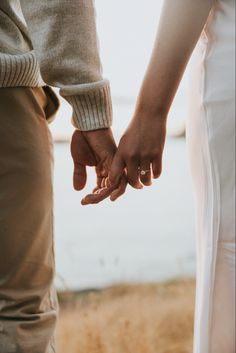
(101, 140)
(151, 111)
(98, 134)
(96, 131)
(151, 116)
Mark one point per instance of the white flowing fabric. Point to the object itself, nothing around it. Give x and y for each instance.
(211, 146)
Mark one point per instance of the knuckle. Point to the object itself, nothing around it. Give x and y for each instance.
(132, 156)
(145, 155)
(131, 153)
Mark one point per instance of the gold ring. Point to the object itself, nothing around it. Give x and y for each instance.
(144, 172)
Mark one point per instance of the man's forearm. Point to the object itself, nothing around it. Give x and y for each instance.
(65, 41)
(181, 24)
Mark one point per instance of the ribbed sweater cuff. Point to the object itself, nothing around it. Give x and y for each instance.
(19, 70)
(92, 107)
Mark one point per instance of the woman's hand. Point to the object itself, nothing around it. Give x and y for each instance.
(140, 151)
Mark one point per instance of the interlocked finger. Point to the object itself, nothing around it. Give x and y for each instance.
(133, 174)
(120, 189)
(145, 173)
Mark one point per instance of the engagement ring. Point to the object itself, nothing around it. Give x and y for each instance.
(144, 172)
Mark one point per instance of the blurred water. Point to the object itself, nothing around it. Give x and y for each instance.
(147, 235)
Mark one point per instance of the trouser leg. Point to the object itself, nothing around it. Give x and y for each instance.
(211, 141)
(222, 325)
(223, 317)
(28, 305)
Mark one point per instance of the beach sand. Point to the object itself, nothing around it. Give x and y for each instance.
(145, 318)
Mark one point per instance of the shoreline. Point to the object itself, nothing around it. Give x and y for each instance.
(70, 297)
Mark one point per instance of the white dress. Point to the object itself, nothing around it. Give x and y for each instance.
(211, 146)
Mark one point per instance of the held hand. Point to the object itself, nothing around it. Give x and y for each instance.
(95, 149)
(140, 152)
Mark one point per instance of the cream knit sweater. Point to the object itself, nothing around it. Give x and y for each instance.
(54, 42)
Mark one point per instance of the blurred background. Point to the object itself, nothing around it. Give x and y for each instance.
(146, 237)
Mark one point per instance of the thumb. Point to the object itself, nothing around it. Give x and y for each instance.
(80, 176)
(82, 157)
(117, 170)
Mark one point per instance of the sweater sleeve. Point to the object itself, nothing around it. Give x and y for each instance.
(63, 34)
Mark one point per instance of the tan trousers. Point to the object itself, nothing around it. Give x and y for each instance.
(28, 305)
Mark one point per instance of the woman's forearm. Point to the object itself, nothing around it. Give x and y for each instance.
(181, 24)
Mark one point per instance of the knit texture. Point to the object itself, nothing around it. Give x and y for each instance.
(19, 70)
(91, 109)
(55, 43)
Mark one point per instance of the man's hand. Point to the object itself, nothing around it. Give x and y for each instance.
(95, 149)
(140, 151)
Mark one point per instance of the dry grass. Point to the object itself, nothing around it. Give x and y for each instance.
(155, 318)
